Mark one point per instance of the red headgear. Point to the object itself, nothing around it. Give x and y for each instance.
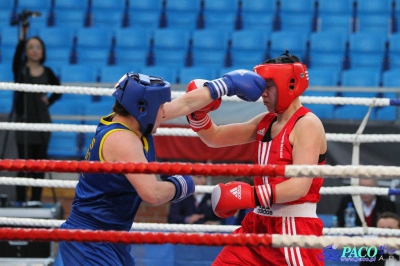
(289, 75)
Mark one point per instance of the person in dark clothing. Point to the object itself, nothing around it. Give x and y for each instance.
(373, 206)
(195, 209)
(386, 256)
(32, 107)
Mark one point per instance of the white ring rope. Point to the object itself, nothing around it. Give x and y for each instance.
(108, 92)
(198, 228)
(22, 181)
(185, 132)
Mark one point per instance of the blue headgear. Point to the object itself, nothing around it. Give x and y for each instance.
(142, 96)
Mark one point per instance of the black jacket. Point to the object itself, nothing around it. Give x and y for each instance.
(34, 110)
(382, 205)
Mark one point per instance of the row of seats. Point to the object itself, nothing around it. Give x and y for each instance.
(178, 48)
(80, 73)
(305, 15)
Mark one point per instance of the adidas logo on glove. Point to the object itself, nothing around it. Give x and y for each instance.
(237, 192)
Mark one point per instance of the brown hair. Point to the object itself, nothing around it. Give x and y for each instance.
(386, 215)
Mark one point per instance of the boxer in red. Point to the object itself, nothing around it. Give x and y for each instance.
(288, 133)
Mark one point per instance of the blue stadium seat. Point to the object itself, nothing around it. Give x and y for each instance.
(323, 77)
(171, 46)
(142, 19)
(57, 57)
(220, 14)
(248, 47)
(297, 22)
(168, 73)
(182, 14)
(132, 45)
(259, 6)
(57, 37)
(391, 78)
(187, 74)
(6, 74)
(111, 74)
(360, 78)
(366, 49)
(93, 38)
(222, 22)
(210, 47)
(7, 4)
(95, 58)
(382, 7)
(295, 42)
(220, 7)
(258, 14)
(342, 7)
(9, 40)
(64, 145)
(61, 5)
(335, 22)
(374, 23)
(5, 17)
(107, 19)
(70, 18)
(110, 5)
(146, 5)
(93, 44)
(37, 5)
(394, 50)
(327, 49)
(297, 15)
(145, 14)
(258, 21)
(78, 74)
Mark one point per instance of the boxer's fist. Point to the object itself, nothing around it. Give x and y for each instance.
(245, 84)
(184, 186)
(226, 199)
(199, 119)
(199, 83)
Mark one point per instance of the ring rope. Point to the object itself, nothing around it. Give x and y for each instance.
(23, 181)
(197, 228)
(217, 239)
(328, 171)
(186, 132)
(109, 91)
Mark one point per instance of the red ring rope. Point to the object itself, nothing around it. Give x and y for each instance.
(27, 234)
(146, 168)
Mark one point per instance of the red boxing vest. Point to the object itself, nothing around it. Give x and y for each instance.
(279, 151)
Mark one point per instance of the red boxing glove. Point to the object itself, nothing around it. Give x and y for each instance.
(227, 199)
(199, 119)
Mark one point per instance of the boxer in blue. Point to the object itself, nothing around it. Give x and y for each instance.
(110, 201)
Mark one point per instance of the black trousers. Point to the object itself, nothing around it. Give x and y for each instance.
(35, 152)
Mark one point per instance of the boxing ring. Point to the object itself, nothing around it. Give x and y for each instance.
(202, 235)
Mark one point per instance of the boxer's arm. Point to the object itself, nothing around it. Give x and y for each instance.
(187, 103)
(123, 146)
(231, 134)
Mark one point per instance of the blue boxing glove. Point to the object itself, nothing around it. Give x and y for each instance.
(245, 84)
(184, 186)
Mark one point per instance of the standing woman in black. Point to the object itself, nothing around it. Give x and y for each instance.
(32, 107)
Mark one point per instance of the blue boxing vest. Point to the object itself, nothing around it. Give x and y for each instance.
(106, 201)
